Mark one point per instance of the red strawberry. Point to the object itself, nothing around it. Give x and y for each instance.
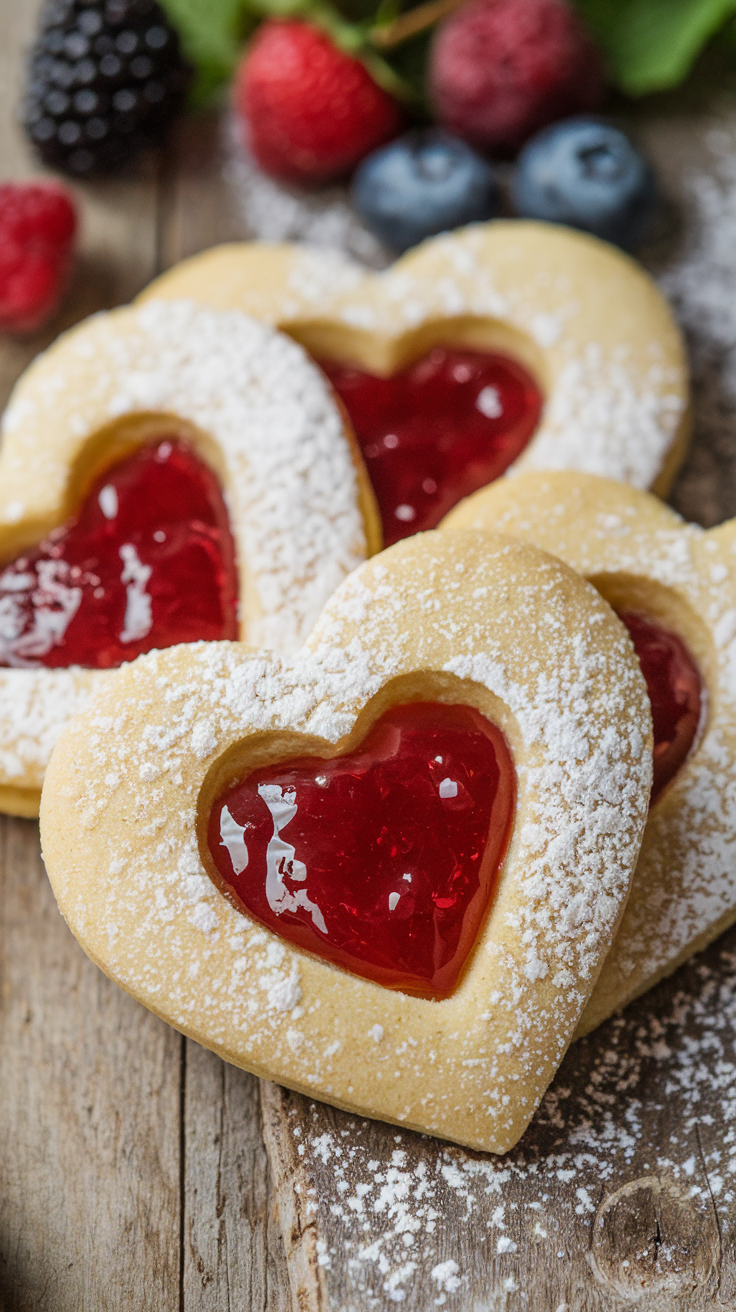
(37, 226)
(310, 111)
(501, 69)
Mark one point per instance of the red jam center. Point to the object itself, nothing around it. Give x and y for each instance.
(675, 691)
(382, 861)
(437, 431)
(147, 562)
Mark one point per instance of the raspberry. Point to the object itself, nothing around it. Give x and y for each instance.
(310, 111)
(37, 226)
(501, 69)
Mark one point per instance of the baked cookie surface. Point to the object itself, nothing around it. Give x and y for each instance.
(586, 320)
(644, 559)
(458, 619)
(252, 407)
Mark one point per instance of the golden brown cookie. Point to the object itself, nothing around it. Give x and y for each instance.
(253, 407)
(646, 561)
(468, 624)
(585, 319)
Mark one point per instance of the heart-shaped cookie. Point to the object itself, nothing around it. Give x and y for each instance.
(676, 586)
(499, 643)
(577, 324)
(136, 424)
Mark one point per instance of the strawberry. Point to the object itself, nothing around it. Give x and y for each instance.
(501, 69)
(310, 112)
(37, 226)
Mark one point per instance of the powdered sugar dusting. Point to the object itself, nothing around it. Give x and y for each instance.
(589, 324)
(290, 480)
(289, 477)
(616, 389)
(577, 715)
(390, 1206)
(701, 283)
(601, 421)
(685, 886)
(32, 713)
(277, 211)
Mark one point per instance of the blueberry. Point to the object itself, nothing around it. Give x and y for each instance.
(589, 175)
(423, 183)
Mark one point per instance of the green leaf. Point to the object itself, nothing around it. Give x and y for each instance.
(651, 44)
(211, 33)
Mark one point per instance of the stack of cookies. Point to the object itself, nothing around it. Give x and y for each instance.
(318, 803)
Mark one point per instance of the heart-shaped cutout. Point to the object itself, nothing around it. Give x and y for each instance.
(389, 855)
(436, 431)
(459, 620)
(583, 321)
(147, 562)
(259, 420)
(679, 584)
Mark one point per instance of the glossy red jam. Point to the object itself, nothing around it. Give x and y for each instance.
(147, 562)
(675, 691)
(432, 434)
(382, 861)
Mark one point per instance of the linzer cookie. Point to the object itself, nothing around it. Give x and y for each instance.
(502, 346)
(674, 586)
(384, 871)
(168, 473)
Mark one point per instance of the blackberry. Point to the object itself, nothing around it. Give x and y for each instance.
(105, 78)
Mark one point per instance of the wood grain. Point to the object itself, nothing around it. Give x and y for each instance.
(89, 1098)
(197, 208)
(294, 1189)
(232, 1251)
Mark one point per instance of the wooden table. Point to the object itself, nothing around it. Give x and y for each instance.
(137, 1171)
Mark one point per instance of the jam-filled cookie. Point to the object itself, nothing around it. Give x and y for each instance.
(502, 346)
(674, 586)
(168, 473)
(384, 871)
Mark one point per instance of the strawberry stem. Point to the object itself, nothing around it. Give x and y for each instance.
(387, 35)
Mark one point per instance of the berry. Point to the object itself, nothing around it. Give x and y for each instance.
(426, 182)
(105, 78)
(37, 226)
(501, 69)
(587, 174)
(310, 112)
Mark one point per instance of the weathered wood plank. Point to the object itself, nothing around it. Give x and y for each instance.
(89, 1112)
(198, 208)
(282, 1117)
(623, 1188)
(233, 1256)
(18, 26)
